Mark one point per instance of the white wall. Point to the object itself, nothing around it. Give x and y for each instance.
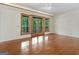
(67, 23)
(0, 22)
(10, 22)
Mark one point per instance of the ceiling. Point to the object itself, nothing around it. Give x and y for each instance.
(51, 8)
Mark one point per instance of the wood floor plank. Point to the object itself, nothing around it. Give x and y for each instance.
(51, 44)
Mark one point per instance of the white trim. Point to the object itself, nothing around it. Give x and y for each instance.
(47, 32)
(18, 6)
(68, 35)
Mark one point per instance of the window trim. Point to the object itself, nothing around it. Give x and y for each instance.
(30, 25)
(23, 14)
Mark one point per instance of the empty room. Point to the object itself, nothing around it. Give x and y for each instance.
(39, 28)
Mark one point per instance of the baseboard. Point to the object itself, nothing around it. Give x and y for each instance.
(66, 35)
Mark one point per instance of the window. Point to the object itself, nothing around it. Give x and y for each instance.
(46, 25)
(34, 25)
(25, 24)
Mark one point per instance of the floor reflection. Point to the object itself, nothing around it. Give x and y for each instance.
(25, 44)
(28, 47)
(40, 39)
(24, 47)
(34, 40)
(51, 44)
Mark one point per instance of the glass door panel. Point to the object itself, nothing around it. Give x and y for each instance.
(34, 26)
(39, 25)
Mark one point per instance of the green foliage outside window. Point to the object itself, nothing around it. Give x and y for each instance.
(25, 24)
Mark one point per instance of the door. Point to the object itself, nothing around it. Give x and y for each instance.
(37, 27)
(40, 27)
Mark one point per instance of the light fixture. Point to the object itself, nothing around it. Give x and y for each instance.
(48, 6)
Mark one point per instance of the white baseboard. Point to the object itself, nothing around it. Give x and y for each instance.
(68, 35)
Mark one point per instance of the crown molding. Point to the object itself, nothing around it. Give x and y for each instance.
(29, 9)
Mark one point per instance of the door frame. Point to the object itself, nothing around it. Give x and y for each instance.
(43, 27)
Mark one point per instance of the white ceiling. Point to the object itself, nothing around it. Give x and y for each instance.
(51, 8)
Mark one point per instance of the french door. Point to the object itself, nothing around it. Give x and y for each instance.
(37, 26)
(34, 25)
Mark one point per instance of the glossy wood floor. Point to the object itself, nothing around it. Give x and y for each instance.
(51, 44)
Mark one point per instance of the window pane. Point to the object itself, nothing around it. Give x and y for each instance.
(24, 24)
(34, 25)
(46, 25)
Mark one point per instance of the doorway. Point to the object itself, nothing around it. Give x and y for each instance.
(37, 26)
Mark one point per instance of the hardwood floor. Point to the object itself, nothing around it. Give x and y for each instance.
(51, 44)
